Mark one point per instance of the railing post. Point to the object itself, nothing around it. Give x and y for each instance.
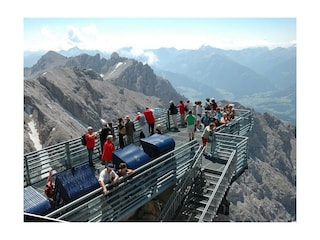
(213, 143)
(168, 117)
(68, 158)
(238, 128)
(27, 174)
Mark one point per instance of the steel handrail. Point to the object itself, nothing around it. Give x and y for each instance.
(151, 175)
(169, 171)
(180, 192)
(219, 185)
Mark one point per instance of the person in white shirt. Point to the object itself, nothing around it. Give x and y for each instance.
(107, 175)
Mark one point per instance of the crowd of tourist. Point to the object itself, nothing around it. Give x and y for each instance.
(204, 117)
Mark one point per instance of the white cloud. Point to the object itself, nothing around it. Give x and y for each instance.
(73, 34)
(46, 32)
(152, 58)
(90, 30)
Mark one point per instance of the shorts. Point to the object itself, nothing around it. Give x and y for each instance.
(190, 128)
(204, 141)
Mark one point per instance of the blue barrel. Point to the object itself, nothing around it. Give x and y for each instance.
(157, 145)
(75, 182)
(35, 202)
(132, 155)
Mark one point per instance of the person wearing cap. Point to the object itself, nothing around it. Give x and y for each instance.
(90, 143)
(143, 124)
(107, 176)
(108, 148)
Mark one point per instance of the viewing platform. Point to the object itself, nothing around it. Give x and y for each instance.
(197, 179)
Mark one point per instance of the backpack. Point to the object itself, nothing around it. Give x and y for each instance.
(174, 110)
(83, 140)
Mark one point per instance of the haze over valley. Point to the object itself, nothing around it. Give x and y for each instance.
(255, 77)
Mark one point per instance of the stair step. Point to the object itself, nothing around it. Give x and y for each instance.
(205, 219)
(214, 169)
(211, 210)
(210, 176)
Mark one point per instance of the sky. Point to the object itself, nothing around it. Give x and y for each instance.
(110, 34)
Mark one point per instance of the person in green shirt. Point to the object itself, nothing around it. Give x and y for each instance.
(191, 122)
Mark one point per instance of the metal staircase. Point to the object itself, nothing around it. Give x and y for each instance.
(225, 162)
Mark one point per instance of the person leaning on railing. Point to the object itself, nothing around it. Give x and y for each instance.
(124, 170)
(206, 133)
(107, 175)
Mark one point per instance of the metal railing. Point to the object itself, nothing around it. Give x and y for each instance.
(219, 190)
(222, 146)
(240, 125)
(231, 148)
(67, 154)
(148, 181)
(133, 191)
(58, 158)
(234, 149)
(182, 188)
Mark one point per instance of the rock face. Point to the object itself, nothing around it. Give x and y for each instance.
(62, 96)
(122, 72)
(63, 102)
(267, 191)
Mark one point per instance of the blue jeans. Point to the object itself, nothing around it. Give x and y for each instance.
(90, 154)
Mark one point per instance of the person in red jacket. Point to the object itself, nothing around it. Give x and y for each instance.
(108, 149)
(90, 142)
(150, 119)
(182, 113)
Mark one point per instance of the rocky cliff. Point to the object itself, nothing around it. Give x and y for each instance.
(62, 96)
(267, 190)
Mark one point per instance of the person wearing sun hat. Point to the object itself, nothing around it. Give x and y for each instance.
(108, 177)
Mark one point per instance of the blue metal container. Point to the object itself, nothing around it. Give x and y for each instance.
(74, 183)
(132, 155)
(157, 145)
(35, 202)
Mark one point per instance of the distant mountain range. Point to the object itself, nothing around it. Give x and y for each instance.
(256, 77)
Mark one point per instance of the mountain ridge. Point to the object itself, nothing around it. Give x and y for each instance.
(258, 74)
